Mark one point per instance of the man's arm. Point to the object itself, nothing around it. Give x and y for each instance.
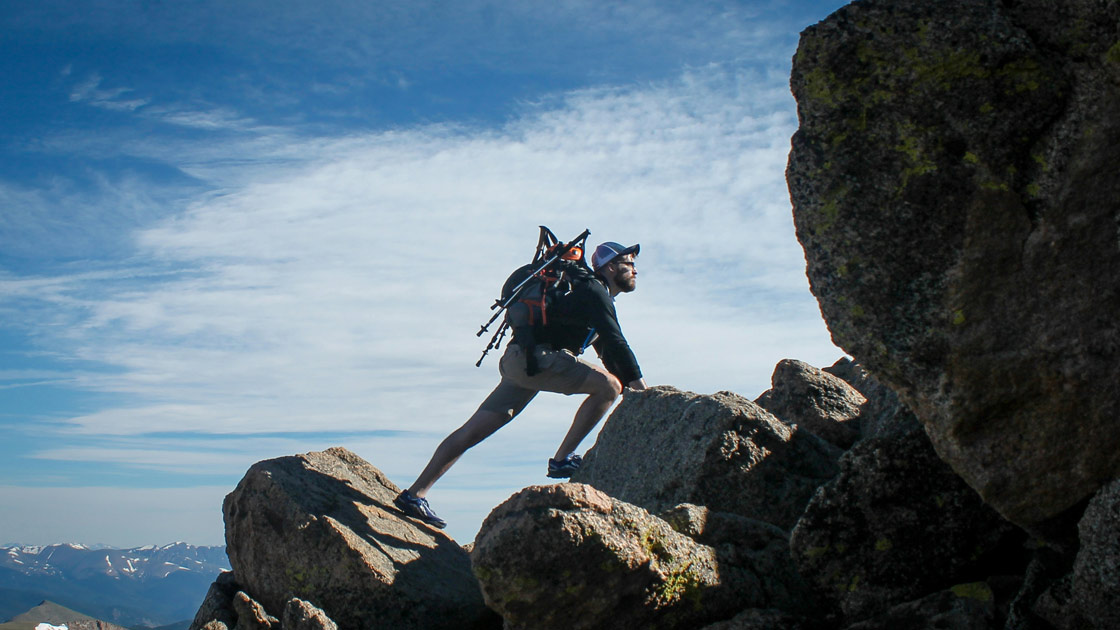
(611, 345)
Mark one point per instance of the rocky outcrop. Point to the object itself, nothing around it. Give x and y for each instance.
(765, 619)
(1095, 580)
(883, 414)
(964, 607)
(662, 447)
(216, 611)
(227, 607)
(250, 614)
(897, 524)
(321, 527)
(749, 552)
(815, 400)
(569, 556)
(954, 189)
(302, 615)
(1089, 595)
(894, 539)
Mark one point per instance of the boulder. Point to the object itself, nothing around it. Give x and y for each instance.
(895, 525)
(303, 615)
(1089, 597)
(954, 190)
(569, 556)
(662, 447)
(883, 414)
(226, 607)
(216, 610)
(1096, 571)
(765, 619)
(815, 400)
(962, 607)
(746, 545)
(322, 527)
(251, 615)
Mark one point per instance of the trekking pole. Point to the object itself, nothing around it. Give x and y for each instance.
(495, 342)
(501, 304)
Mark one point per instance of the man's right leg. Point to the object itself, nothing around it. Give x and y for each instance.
(477, 428)
(503, 404)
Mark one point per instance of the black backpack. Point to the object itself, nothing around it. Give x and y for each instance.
(535, 289)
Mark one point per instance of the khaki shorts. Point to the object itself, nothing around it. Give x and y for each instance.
(559, 371)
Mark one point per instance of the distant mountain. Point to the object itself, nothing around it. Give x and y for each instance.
(55, 615)
(144, 586)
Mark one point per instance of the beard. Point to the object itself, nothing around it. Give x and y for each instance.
(625, 283)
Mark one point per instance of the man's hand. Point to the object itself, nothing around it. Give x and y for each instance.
(636, 384)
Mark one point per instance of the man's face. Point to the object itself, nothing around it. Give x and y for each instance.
(623, 274)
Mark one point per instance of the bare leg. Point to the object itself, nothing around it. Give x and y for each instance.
(604, 389)
(476, 429)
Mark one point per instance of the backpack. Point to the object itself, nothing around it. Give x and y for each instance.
(532, 290)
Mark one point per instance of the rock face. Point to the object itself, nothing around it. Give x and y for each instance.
(321, 527)
(720, 451)
(897, 524)
(815, 400)
(569, 556)
(954, 188)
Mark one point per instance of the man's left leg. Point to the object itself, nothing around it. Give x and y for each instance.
(603, 389)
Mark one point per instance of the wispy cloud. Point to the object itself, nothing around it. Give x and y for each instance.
(234, 273)
(353, 283)
(90, 91)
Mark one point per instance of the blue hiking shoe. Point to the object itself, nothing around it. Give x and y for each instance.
(563, 468)
(418, 508)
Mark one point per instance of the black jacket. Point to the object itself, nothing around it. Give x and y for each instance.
(585, 313)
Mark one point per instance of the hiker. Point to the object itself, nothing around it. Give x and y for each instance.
(586, 315)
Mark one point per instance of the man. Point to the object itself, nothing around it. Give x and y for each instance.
(587, 314)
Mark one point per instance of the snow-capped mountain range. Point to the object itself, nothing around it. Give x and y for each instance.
(140, 563)
(142, 586)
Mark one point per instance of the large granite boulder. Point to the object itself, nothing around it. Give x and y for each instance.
(568, 556)
(955, 192)
(662, 447)
(815, 400)
(895, 525)
(321, 527)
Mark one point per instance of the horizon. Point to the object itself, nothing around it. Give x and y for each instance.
(99, 546)
(234, 233)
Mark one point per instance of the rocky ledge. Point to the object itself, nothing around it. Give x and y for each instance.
(883, 534)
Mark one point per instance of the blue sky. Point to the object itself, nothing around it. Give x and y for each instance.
(238, 230)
